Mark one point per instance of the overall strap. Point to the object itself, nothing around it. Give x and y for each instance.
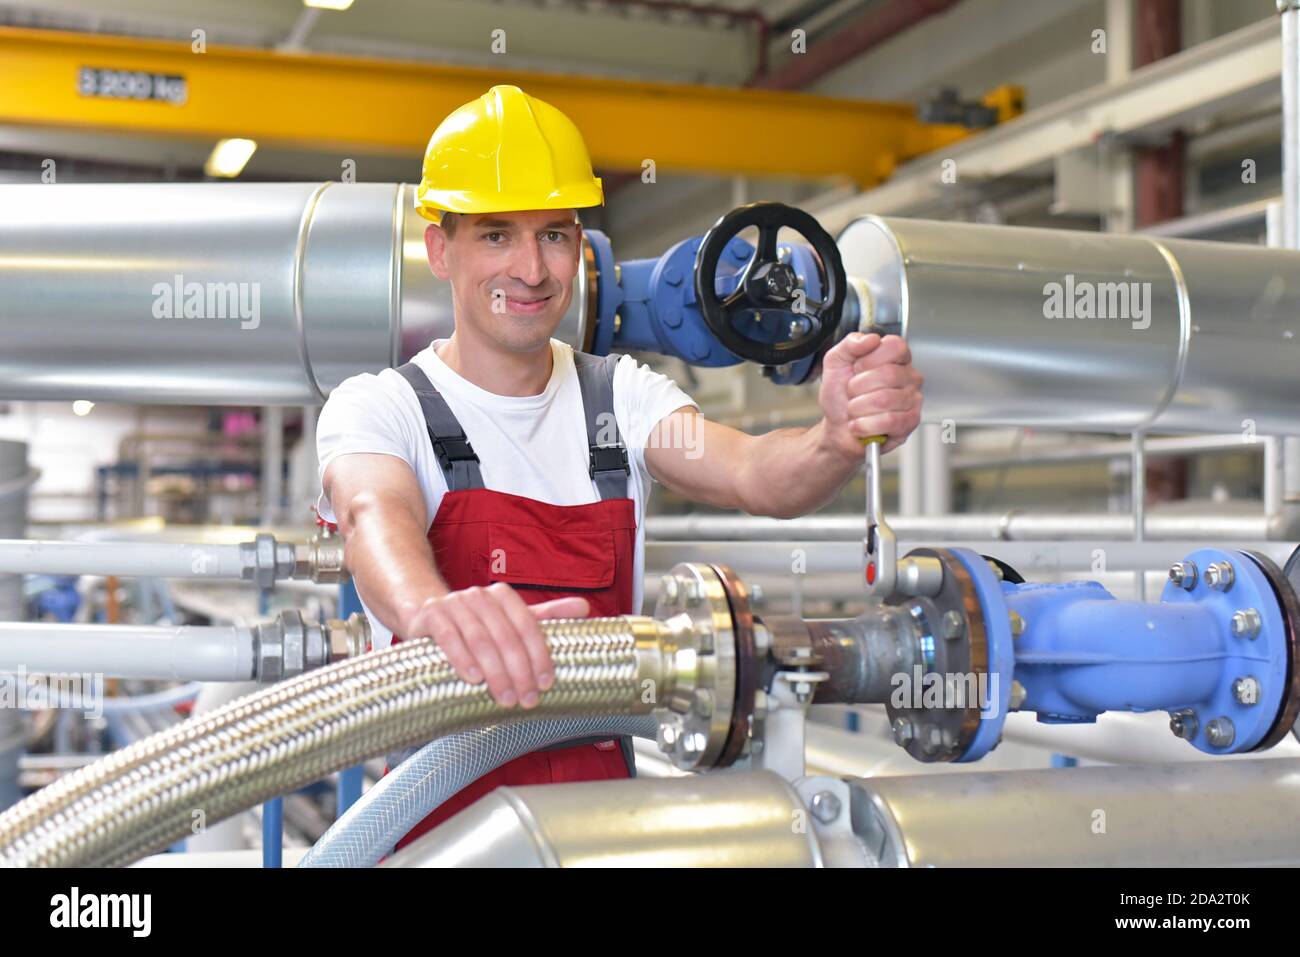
(608, 464)
(460, 465)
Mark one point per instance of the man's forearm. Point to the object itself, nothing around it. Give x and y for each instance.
(791, 472)
(389, 558)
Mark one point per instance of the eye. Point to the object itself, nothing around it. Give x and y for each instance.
(554, 236)
(494, 236)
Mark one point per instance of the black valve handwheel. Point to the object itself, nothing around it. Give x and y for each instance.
(766, 284)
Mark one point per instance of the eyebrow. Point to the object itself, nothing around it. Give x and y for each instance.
(507, 224)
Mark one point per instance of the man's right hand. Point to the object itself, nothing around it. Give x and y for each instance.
(491, 634)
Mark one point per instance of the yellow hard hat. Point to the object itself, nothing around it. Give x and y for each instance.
(506, 151)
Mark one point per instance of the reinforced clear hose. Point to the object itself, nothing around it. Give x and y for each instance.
(407, 794)
(148, 795)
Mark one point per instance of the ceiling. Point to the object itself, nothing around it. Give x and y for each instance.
(661, 40)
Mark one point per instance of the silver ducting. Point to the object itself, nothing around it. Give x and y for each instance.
(1179, 335)
(712, 820)
(1203, 813)
(216, 293)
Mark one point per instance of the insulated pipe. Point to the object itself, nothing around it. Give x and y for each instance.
(1196, 337)
(216, 293)
(1203, 813)
(711, 820)
(164, 652)
(141, 798)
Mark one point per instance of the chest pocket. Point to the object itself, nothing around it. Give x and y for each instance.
(525, 555)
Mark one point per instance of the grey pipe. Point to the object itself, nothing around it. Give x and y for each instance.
(15, 479)
(734, 819)
(165, 652)
(408, 793)
(315, 281)
(998, 526)
(148, 559)
(262, 561)
(1207, 814)
(1207, 341)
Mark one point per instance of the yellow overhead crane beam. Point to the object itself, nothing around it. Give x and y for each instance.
(310, 101)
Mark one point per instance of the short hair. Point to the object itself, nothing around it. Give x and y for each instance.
(448, 223)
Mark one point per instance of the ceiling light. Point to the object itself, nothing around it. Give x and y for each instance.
(229, 157)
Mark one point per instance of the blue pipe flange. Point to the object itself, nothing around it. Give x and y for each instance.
(1251, 692)
(952, 705)
(1283, 583)
(1001, 652)
(609, 293)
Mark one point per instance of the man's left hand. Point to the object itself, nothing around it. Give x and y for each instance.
(869, 387)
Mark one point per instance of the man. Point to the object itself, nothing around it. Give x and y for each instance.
(471, 484)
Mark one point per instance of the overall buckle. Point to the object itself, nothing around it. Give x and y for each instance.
(608, 458)
(454, 448)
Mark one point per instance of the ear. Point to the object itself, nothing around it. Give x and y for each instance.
(435, 245)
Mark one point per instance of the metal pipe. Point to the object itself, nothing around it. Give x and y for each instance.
(142, 559)
(15, 479)
(834, 568)
(165, 652)
(227, 835)
(911, 478)
(272, 463)
(1215, 221)
(1290, 16)
(863, 655)
(936, 495)
(1138, 496)
(1077, 451)
(1069, 330)
(217, 293)
(263, 560)
(1005, 526)
(1203, 813)
(710, 820)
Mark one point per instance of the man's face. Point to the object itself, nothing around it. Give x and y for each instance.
(511, 273)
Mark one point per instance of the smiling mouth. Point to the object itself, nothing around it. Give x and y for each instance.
(528, 306)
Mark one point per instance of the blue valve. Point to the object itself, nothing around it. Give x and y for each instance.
(654, 304)
(1215, 651)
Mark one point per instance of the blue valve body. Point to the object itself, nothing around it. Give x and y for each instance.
(1083, 652)
(656, 303)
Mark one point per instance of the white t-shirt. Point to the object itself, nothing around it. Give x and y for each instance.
(534, 446)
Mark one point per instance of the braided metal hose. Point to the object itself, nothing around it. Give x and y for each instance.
(146, 796)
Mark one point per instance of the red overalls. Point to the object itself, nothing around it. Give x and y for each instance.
(545, 551)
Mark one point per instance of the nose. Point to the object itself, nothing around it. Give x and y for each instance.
(528, 265)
